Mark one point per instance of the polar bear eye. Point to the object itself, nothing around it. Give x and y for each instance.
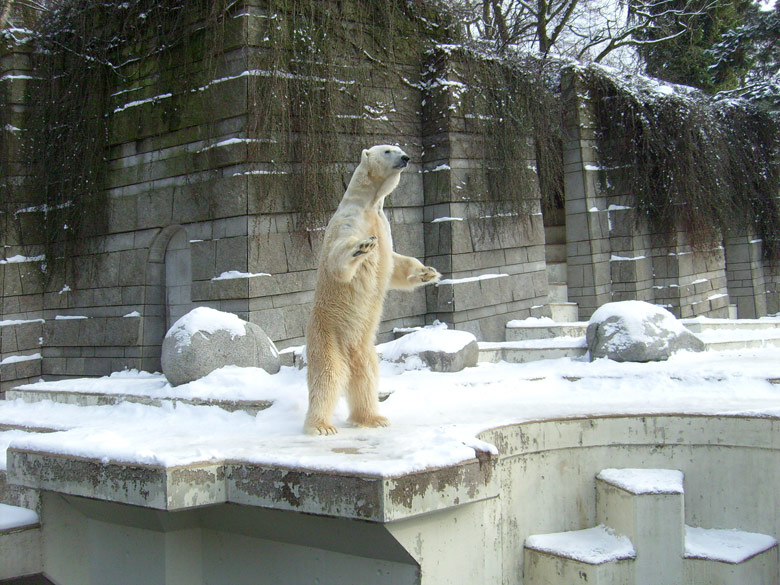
(387, 152)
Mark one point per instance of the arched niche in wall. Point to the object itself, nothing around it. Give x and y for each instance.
(170, 276)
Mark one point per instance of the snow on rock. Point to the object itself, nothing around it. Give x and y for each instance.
(435, 347)
(593, 546)
(205, 339)
(644, 481)
(12, 517)
(726, 546)
(636, 331)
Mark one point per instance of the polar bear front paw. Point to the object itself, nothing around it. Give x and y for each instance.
(428, 275)
(364, 247)
(319, 428)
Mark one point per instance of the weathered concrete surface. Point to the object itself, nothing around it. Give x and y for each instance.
(462, 520)
(140, 485)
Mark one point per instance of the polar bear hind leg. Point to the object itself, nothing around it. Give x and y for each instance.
(328, 375)
(363, 388)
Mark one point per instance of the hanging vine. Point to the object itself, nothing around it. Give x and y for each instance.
(705, 166)
(85, 49)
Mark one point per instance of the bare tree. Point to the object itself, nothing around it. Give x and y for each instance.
(582, 29)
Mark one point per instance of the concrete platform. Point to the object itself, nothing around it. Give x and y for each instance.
(455, 524)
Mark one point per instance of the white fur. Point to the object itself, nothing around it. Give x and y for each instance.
(357, 267)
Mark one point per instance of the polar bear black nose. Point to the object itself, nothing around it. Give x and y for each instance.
(405, 158)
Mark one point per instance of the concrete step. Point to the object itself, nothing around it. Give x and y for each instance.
(647, 506)
(554, 234)
(20, 542)
(31, 394)
(729, 556)
(759, 326)
(564, 312)
(527, 329)
(20, 357)
(519, 352)
(555, 252)
(642, 539)
(558, 292)
(596, 556)
(557, 272)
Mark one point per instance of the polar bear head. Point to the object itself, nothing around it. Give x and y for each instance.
(383, 161)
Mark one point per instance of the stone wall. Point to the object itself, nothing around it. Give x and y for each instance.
(198, 216)
(613, 255)
(190, 204)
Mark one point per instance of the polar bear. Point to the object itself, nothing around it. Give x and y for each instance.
(357, 267)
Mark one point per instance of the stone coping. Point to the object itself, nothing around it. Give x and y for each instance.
(368, 497)
(329, 493)
(101, 399)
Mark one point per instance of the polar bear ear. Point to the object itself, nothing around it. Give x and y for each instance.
(365, 155)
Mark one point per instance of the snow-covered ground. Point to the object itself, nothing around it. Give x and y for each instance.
(435, 417)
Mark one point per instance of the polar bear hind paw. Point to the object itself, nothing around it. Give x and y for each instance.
(364, 247)
(373, 420)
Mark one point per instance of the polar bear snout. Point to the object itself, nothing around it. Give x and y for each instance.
(402, 161)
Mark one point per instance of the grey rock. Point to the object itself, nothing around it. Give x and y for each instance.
(635, 331)
(440, 349)
(442, 361)
(195, 347)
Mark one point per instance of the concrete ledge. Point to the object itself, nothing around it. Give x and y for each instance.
(99, 399)
(343, 495)
(128, 483)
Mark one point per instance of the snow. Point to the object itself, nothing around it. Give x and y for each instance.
(8, 322)
(205, 320)
(446, 218)
(469, 279)
(19, 259)
(645, 481)
(137, 103)
(727, 546)
(435, 417)
(15, 359)
(593, 546)
(231, 274)
(435, 338)
(14, 517)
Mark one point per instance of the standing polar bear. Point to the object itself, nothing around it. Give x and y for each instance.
(357, 267)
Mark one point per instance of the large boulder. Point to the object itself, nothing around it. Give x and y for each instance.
(636, 331)
(434, 347)
(205, 339)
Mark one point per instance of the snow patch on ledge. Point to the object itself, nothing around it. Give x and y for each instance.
(469, 279)
(231, 274)
(644, 481)
(12, 517)
(594, 546)
(726, 546)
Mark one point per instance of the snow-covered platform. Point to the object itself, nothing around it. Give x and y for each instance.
(474, 463)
